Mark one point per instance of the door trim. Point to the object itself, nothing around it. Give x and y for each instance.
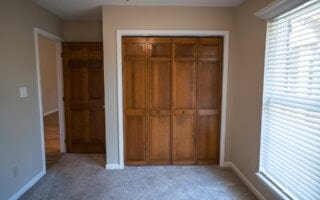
(39, 32)
(198, 33)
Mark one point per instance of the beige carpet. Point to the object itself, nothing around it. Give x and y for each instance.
(78, 177)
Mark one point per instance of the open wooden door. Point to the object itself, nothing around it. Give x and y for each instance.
(84, 97)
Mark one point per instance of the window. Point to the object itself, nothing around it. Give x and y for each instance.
(290, 141)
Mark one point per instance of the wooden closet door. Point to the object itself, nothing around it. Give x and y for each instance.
(184, 90)
(208, 99)
(159, 101)
(134, 85)
(84, 97)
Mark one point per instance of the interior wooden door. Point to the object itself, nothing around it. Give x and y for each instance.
(84, 97)
(135, 102)
(184, 91)
(159, 101)
(208, 100)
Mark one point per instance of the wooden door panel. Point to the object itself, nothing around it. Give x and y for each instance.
(159, 84)
(185, 48)
(135, 84)
(77, 83)
(208, 100)
(78, 126)
(95, 78)
(135, 139)
(160, 47)
(183, 88)
(84, 97)
(158, 149)
(207, 139)
(134, 88)
(183, 141)
(208, 85)
(184, 85)
(96, 129)
(172, 97)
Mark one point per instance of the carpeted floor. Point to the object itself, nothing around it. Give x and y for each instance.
(78, 176)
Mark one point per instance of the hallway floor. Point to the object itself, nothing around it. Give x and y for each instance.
(52, 138)
(80, 176)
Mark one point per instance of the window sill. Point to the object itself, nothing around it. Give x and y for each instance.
(274, 189)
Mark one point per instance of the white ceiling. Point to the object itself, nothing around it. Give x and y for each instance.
(91, 9)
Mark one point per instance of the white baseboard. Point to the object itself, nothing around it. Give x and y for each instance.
(244, 179)
(27, 186)
(114, 166)
(50, 112)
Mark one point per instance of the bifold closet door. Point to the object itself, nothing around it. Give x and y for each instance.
(134, 99)
(184, 91)
(172, 97)
(159, 101)
(208, 100)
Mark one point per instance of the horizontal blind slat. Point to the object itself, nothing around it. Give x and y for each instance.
(290, 140)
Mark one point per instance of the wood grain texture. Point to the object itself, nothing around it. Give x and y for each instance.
(172, 97)
(135, 99)
(84, 97)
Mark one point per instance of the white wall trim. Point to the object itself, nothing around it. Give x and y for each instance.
(27, 186)
(114, 166)
(278, 7)
(50, 112)
(199, 33)
(245, 180)
(38, 32)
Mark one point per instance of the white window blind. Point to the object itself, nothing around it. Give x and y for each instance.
(290, 142)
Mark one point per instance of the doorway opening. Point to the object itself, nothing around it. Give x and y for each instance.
(49, 75)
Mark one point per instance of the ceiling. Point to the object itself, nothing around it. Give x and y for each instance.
(91, 9)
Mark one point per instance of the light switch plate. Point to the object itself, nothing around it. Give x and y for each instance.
(23, 92)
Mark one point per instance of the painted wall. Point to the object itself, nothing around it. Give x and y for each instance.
(250, 47)
(20, 146)
(246, 64)
(48, 69)
(183, 18)
(82, 31)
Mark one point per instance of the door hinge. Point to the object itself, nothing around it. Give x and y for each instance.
(63, 99)
(65, 141)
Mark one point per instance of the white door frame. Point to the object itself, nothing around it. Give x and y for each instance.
(198, 33)
(39, 32)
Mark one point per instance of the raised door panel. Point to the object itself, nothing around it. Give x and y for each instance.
(183, 141)
(135, 140)
(208, 100)
(135, 84)
(159, 73)
(84, 97)
(184, 88)
(135, 104)
(184, 84)
(208, 87)
(207, 139)
(158, 140)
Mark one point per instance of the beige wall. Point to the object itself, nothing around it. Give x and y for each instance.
(82, 31)
(20, 138)
(48, 69)
(250, 47)
(246, 62)
(175, 18)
